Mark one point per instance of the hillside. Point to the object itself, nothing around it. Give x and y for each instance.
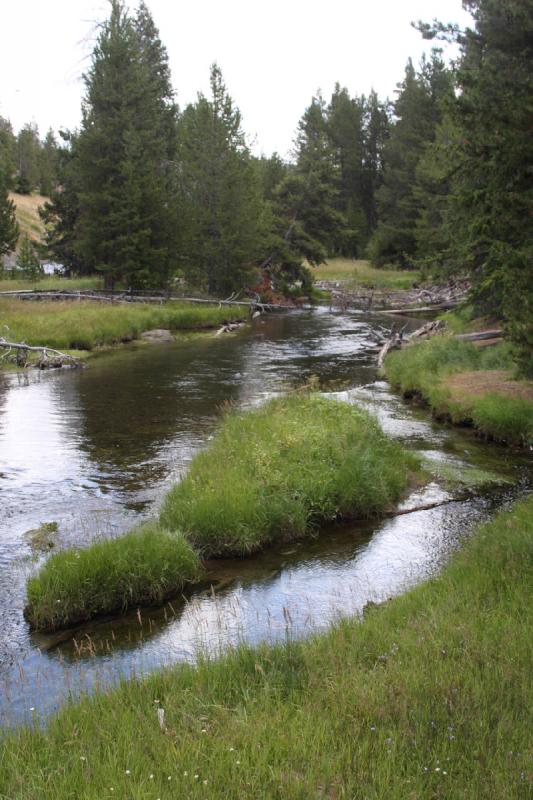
(28, 214)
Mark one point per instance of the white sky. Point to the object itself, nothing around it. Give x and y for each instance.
(274, 56)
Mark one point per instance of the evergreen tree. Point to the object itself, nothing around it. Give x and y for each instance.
(417, 112)
(223, 207)
(307, 222)
(346, 132)
(48, 164)
(123, 155)
(28, 152)
(8, 147)
(28, 260)
(376, 133)
(9, 229)
(61, 213)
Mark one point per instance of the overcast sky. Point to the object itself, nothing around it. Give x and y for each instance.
(274, 56)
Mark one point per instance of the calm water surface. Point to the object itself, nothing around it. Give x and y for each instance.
(95, 450)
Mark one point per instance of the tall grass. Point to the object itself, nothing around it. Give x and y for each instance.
(141, 568)
(422, 369)
(279, 470)
(428, 697)
(85, 325)
(361, 273)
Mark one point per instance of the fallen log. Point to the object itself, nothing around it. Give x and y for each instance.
(478, 336)
(420, 309)
(45, 362)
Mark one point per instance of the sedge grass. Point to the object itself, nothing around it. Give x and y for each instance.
(50, 283)
(86, 325)
(428, 697)
(144, 567)
(276, 472)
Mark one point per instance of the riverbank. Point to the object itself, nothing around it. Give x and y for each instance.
(272, 474)
(426, 698)
(468, 385)
(86, 325)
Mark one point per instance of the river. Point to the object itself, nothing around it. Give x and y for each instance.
(95, 450)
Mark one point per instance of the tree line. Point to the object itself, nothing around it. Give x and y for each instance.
(439, 179)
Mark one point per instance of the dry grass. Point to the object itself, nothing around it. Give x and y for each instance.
(27, 211)
(476, 384)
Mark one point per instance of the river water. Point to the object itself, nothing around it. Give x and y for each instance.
(95, 450)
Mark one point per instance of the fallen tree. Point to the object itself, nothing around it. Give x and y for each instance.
(53, 361)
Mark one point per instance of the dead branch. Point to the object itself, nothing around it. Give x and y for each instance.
(45, 362)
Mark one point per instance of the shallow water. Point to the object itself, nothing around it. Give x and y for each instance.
(95, 450)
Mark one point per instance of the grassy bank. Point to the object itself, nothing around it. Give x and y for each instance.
(51, 283)
(83, 326)
(362, 273)
(143, 567)
(270, 474)
(467, 384)
(276, 472)
(427, 698)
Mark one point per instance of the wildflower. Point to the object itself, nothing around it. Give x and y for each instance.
(151, 776)
(128, 772)
(185, 774)
(196, 777)
(82, 758)
(204, 730)
(231, 749)
(437, 769)
(169, 778)
(237, 762)
(372, 727)
(444, 772)
(32, 708)
(205, 782)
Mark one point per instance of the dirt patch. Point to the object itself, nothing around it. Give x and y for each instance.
(477, 384)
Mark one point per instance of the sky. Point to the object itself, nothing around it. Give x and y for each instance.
(274, 56)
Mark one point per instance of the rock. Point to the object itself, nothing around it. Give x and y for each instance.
(157, 335)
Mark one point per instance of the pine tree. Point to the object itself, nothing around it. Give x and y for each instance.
(417, 112)
(28, 260)
(223, 208)
(28, 153)
(123, 155)
(306, 222)
(8, 148)
(9, 229)
(48, 166)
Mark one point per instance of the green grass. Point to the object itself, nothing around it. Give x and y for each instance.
(361, 273)
(270, 474)
(421, 369)
(45, 284)
(278, 471)
(144, 567)
(83, 326)
(428, 697)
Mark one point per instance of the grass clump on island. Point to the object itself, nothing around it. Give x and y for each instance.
(278, 471)
(144, 567)
(85, 325)
(270, 474)
(468, 384)
(427, 697)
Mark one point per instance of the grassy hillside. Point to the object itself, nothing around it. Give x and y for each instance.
(27, 210)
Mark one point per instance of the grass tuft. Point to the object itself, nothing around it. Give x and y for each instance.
(276, 472)
(143, 567)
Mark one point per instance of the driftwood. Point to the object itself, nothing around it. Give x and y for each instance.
(394, 341)
(58, 358)
(426, 506)
(478, 336)
(420, 309)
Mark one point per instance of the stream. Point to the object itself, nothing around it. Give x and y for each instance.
(95, 450)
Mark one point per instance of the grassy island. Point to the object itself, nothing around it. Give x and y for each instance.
(426, 697)
(271, 474)
(468, 385)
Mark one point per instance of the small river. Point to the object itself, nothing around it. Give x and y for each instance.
(95, 450)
